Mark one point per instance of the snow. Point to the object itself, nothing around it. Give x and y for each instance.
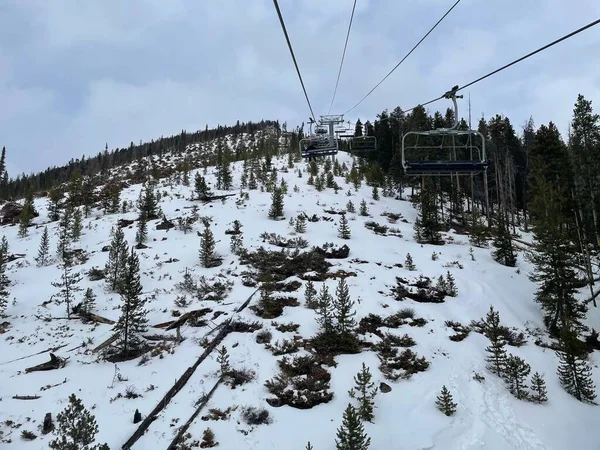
(488, 416)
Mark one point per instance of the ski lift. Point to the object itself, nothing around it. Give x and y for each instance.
(365, 144)
(444, 151)
(322, 143)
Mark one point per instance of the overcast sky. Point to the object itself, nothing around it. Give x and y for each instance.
(77, 74)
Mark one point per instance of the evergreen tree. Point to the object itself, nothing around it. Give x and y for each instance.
(300, 226)
(365, 393)
(236, 244)
(207, 248)
(451, 289)
(375, 193)
(201, 187)
(87, 193)
(515, 373)
(89, 301)
(444, 402)
(43, 255)
(309, 446)
(69, 284)
(344, 228)
(133, 321)
(223, 361)
(344, 314)
(141, 235)
(409, 263)
(478, 235)
(427, 224)
(325, 312)
(574, 373)
(539, 394)
(77, 225)
(117, 260)
(27, 214)
(310, 295)
(147, 203)
(351, 434)
(4, 281)
(276, 209)
(54, 198)
(64, 231)
(504, 251)
(76, 428)
(350, 207)
(364, 211)
(496, 358)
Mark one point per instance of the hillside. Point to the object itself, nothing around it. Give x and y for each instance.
(487, 415)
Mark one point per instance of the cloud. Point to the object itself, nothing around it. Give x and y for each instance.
(77, 75)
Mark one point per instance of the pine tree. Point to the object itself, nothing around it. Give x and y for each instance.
(89, 301)
(539, 394)
(310, 295)
(69, 284)
(43, 255)
(77, 428)
(427, 224)
(300, 226)
(444, 402)
(276, 209)
(141, 235)
(201, 187)
(236, 244)
(4, 281)
(496, 358)
(207, 248)
(363, 211)
(325, 312)
(133, 321)
(344, 314)
(87, 192)
(147, 203)
(478, 235)
(76, 226)
(350, 207)
(365, 393)
(117, 260)
(515, 373)
(27, 214)
(351, 434)
(54, 198)
(574, 372)
(504, 252)
(223, 361)
(309, 446)
(64, 231)
(409, 263)
(375, 193)
(451, 289)
(344, 228)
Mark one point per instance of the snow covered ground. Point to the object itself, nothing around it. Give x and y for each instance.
(487, 417)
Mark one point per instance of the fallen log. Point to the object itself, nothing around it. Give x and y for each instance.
(158, 337)
(106, 343)
(215, 197)
(26, 397)
(172, 324)
(94, 318)
(55, 363)
(51, 349)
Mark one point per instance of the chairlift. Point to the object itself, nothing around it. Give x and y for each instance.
(444, 151)
(322, 143)
(365, 144)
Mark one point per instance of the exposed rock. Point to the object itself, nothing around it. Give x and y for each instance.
(384, 387)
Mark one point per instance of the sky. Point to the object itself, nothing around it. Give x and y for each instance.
(77, 75)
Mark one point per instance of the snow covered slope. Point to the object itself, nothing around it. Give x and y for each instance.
(487, 417)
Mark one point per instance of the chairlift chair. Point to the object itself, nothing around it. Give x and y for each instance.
(323, 142)
(444, 151)
(366, 144)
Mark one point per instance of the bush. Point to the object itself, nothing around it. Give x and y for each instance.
(238, 377)
(256, 416)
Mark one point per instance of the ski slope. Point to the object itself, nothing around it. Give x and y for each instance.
(488, 416)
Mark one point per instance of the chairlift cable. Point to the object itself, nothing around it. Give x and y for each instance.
(343, 56)
(573, 33)
(405, 57)
(287, 38)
